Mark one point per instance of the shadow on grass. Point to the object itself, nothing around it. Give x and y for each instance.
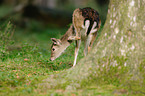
(55, 65)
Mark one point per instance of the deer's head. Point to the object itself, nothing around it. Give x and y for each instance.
(56, 49)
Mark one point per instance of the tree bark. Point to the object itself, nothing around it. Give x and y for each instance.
(120, 45)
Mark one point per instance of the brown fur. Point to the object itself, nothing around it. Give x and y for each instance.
(70, 32)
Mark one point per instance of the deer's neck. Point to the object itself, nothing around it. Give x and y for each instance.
(64, 40)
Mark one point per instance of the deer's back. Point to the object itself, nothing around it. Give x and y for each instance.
(81, 15)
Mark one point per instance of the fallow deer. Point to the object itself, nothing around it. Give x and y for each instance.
(85, 24)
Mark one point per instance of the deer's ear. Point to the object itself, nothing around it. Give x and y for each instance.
(56, 41)
(53, 39)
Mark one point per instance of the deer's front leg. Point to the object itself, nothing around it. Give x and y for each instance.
(77, 37)
(78, 43)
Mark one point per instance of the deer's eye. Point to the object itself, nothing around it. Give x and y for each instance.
(53, 49)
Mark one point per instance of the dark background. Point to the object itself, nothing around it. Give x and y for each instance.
(50, 13)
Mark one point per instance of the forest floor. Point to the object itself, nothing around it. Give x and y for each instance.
(27, 63)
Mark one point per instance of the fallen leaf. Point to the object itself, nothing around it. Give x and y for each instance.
(60, 63)
(28, 75)
(73, 94)
(26, 59)
(14, 70)
(17, 76)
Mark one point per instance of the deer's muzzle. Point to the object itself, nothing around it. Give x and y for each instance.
(51, 59)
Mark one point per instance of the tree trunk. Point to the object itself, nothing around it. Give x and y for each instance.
(119, 50)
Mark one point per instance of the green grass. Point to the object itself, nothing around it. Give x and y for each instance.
(26, 63)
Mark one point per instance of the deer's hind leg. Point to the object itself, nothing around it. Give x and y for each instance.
(77, 21)
(94, 35)
(92, 41)
(87, 43)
